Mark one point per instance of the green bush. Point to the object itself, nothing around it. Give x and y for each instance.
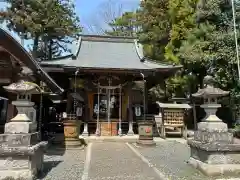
(237, 130)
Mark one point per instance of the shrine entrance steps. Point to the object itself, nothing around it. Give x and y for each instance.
(124, 138)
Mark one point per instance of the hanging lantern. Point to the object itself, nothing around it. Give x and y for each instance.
(138, 111)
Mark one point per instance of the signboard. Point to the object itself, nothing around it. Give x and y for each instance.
(145, 130)
(78, 84)
(138, 111)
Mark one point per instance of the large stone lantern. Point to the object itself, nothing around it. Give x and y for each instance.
(23, 102)
(213, 149)
(21, 152)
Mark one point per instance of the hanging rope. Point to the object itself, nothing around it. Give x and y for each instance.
(110, 87)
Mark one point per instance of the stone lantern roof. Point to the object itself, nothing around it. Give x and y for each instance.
(209, 90)
(21, 87)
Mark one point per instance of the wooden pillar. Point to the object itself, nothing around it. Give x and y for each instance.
(69, 103)
(146, 97)
(90, 97)
(130, 113)
(120, 112)
(88, 112)
(125, 105)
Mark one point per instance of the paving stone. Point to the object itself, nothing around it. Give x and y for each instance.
(63, 165)
(116, 161)
(170, 157)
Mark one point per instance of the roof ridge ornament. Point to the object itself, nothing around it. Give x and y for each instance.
(139, 50)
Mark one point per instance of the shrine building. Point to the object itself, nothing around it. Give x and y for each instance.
(99, 79)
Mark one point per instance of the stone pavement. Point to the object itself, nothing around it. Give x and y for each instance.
(170, 157)
(116, 161)
(123, 161)
(62, 165)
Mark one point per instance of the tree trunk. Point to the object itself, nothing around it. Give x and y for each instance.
(35, 46)
(50, 48)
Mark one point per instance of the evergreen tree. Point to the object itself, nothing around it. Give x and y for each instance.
(125, 25)
(38, 19)
(182, 17)
(154, 25)
(210, 47)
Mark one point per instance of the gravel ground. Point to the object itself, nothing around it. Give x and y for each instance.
(170, 157)
(116, 161)
(63, 165)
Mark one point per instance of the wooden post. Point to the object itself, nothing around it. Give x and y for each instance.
(120, 111)
(130, 113)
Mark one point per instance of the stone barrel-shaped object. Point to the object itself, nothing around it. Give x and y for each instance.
(71, 132)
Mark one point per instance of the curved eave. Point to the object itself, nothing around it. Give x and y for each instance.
(10, 45)
(109, 70)
(167, 69)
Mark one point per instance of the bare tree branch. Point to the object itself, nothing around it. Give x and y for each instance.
(106, 13)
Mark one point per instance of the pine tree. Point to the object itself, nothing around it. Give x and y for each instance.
(154, 25)
(126, 25)
(210, 47)
(182, 16)
(36, 19)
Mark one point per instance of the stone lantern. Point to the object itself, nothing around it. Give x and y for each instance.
(23, 102)
(21, 152)
(213, 149)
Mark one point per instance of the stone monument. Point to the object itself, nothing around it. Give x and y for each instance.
(21, 151)
(213, 149)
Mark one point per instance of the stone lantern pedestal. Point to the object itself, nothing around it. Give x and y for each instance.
(21, 150)
(213, 149)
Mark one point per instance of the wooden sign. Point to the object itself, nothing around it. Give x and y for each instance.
(78, 84)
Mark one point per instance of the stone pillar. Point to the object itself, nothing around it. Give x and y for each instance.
(85, 130)
(130, 113)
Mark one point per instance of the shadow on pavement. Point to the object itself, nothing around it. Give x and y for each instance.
(47, 167)
(55, 151)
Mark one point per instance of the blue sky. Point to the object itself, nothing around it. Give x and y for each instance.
(90, 12)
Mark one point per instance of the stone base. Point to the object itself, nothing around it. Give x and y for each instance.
(85, 134)
(130, 133)
(215, 158)
(72, 143)
(19, 127)
(215, 169)
(24, 160)
(146, 142)
(211, 137)
(212, 126)
(17, 174)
